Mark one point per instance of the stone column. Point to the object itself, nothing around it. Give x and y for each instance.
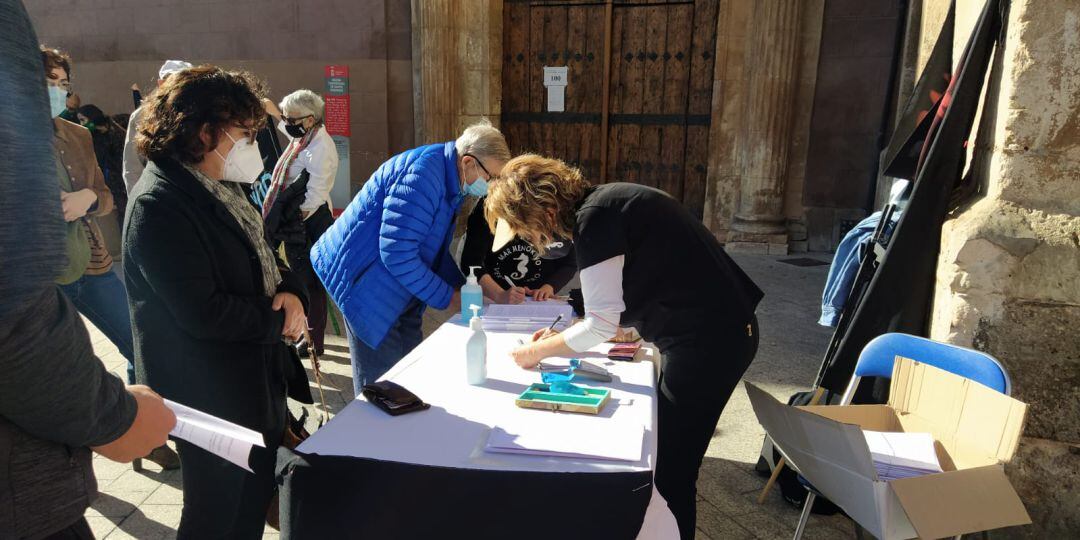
(771, 61)
(457, 66)
(1008, 276)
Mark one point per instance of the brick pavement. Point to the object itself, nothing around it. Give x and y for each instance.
(147, 505)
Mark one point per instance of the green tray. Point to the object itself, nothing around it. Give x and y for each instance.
(539, 396)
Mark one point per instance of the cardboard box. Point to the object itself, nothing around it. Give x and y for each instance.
(975, 429)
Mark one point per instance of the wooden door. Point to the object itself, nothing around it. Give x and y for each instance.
(659, 90)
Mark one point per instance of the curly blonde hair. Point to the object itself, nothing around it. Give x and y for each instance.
(537, 196)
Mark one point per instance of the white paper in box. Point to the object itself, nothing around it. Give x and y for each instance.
(976, 431)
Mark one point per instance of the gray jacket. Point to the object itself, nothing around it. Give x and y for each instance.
(56, 399)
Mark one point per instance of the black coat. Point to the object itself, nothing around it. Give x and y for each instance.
(205, 333)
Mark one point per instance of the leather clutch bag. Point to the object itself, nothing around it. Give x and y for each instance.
(393, 398)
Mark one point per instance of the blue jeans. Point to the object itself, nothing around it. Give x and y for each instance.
(369, 364)
(103, 300)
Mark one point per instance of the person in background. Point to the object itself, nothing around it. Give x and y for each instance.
(133, 162)
(698, 311)
(71, 108)
(108, 139)
(511, 268)
(57, 402)
(299, 193)
(387, 256)
(88, 279)
(136, 95)
(214, 310)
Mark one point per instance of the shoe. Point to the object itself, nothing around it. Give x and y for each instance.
(164, 456)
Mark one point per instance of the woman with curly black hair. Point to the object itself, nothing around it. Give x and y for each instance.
(211, 305)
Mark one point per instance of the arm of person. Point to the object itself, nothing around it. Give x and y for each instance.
(601, 285)
(164, 247)
(271, 109)
(478, 240)
(408, 213)
(322, 169)
(499, 295)
(133, 163)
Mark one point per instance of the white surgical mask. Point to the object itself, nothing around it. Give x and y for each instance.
(57, 100)
(244, 163)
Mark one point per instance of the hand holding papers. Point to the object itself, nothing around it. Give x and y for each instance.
(219, 437)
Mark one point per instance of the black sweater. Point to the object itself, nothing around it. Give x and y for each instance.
(56, 398)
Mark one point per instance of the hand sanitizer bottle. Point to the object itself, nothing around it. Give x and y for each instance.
(476, 350)
(471, 294)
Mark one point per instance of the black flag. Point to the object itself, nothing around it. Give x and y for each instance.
(898, 298)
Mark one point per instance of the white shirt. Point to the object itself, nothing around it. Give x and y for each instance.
(320, 159)
(601, 287)
(133, 162)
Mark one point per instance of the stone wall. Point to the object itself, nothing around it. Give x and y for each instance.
(115, 43)
(1009, 273)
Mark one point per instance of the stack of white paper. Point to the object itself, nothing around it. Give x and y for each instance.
(220, 437)
(608, 441)
(526, 317)
(902, 455)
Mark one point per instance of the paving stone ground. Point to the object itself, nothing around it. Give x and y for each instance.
(147, 505)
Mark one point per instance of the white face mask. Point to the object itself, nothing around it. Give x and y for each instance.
(244, 163)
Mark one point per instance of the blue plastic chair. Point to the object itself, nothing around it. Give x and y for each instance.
(877, 358)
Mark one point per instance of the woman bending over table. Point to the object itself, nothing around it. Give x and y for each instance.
(645, 262)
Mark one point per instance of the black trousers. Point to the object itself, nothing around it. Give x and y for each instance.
(697, 377)
(314, 227)
(222, 500)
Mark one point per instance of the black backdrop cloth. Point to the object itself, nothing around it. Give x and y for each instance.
(899, 296)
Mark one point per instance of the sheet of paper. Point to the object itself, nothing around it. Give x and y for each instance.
(902, 455)
(219, 437)
(527, 317)
(608, 442)
(530, 310)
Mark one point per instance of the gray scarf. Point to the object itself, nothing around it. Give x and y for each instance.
(250, 221)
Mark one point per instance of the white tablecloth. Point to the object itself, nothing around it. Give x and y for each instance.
(454, 431)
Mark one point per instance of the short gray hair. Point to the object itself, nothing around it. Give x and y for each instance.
(304, 102)
(483, 140)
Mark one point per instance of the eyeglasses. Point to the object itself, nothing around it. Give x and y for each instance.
(295, 120)
(480, 163)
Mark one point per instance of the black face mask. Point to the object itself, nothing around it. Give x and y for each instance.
(295, 130)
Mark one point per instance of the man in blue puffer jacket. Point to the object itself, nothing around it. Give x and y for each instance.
(387, 257)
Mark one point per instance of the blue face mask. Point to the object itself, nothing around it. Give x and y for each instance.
(57, 100)
(478, 188)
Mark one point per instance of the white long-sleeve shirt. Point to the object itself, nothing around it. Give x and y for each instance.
(133, 163)
(320, 159)
(601, 287)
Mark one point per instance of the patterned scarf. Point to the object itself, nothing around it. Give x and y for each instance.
(281, 170)
(247, 217)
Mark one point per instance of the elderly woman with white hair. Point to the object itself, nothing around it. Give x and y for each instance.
(387, 257)
(297, 206)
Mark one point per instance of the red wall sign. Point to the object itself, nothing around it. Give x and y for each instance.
(337, 101)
